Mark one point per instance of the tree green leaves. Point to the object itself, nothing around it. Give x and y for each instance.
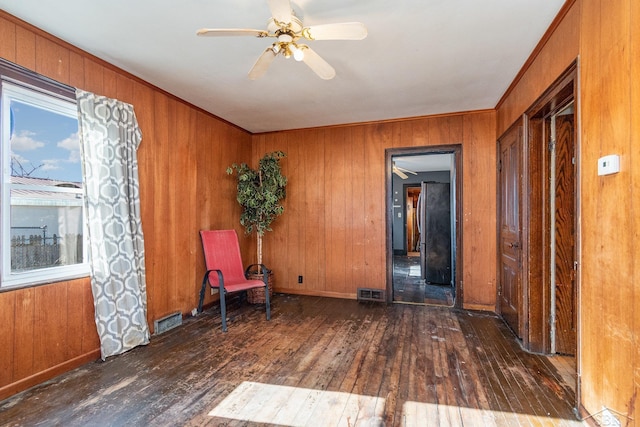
(260, 192)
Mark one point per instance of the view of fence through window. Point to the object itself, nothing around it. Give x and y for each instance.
(46, 223)
(35, 247)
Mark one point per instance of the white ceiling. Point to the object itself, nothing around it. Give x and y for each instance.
(425, 162)
(421, 57)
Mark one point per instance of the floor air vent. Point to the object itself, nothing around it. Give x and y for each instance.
(167, 322)
(366, 294)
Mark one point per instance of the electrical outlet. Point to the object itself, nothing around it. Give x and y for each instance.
(299, 279)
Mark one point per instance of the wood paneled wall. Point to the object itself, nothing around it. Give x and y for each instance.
(552, 56)
(184, 152)
(45, 330)
(610, 296)
(606, 37)
(333, 230)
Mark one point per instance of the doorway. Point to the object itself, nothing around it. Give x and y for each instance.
(411, 196)
(537, 221)
(562, 256)
(423, 217)
(553, 128)
(538, 233)
(553, 217)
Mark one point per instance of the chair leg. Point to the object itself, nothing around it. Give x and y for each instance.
(223, 310)
(202, 290)
(268, 305)
(266, 296)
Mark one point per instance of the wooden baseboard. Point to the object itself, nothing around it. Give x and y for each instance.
(295, 291)
(587, 417)
(479, 307)
(40, 377)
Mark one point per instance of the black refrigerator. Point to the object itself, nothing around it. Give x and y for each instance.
(434, 225)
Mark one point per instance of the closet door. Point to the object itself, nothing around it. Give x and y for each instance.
(509, 228)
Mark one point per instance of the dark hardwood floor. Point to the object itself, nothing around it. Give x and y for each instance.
(319, 362)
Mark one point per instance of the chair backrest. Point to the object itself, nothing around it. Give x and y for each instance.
(222, 252)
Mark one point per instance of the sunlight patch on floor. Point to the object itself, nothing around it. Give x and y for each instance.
(417, 413)
(295, 406)
(414, 271)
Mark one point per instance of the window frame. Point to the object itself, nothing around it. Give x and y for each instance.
(24, 85)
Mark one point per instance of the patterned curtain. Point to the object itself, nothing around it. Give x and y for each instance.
(110, 136)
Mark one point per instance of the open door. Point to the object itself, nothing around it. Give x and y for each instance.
(412, 194)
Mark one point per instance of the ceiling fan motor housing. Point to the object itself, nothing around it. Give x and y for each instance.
(293, 28)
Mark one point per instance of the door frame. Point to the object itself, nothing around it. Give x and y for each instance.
(536, 283)
(536, 273)
(456, 187)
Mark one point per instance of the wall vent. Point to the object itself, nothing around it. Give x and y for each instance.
(366, 294)
(167, 322)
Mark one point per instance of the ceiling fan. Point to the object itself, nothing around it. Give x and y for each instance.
(402, 172)
(288, 30)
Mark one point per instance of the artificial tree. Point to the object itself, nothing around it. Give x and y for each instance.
(260, 193)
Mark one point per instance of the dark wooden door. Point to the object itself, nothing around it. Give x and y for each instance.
(565, 289)
(509, 226)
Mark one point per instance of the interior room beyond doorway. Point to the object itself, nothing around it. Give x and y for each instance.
(423, 228)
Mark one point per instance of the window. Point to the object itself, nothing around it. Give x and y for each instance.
(43, 230)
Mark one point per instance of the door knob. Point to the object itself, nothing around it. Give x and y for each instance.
(514, 245)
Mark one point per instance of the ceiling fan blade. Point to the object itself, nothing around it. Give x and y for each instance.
(280, 10)
(343, 31)
(317, 64)
(400, 173)
(261, 65)
(406, 170)
(224, 32)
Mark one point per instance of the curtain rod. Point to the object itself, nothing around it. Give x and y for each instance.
(25, 77)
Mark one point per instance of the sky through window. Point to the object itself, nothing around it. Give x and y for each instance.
(44, 144)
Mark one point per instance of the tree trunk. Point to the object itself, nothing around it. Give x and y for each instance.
(259, 248)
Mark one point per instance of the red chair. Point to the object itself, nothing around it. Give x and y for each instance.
(224, 269)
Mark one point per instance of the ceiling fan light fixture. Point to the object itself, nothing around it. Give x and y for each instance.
(298, 53)
(285, 38)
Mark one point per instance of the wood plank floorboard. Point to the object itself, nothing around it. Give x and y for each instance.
(566, 367)
(318, 362)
